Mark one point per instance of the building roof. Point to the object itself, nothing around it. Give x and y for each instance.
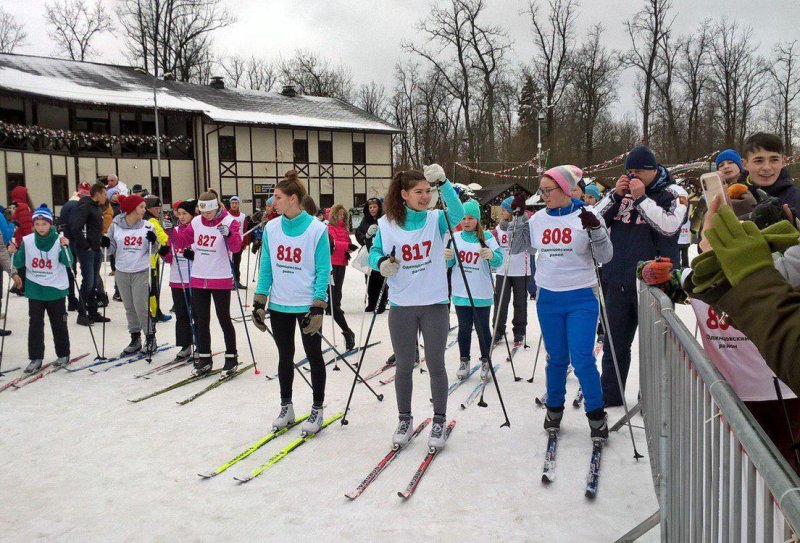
(95, 84)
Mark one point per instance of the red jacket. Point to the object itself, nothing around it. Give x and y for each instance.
(340, 253)
(22, 215)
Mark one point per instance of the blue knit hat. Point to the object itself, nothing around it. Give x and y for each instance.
(42, 212)
(641, 158)
(270, 200)
(729, 154)
(473, 209)
(592, 190)
(506, 204)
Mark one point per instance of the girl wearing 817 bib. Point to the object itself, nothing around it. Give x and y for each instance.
(417, 278)
(566, 236)
(295, 265)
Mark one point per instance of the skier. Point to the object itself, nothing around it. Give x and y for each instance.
(179, 276)
(340, 256)
(518, 269)
(570, 239)
(153, 216)
(295, 265)
(409, 251)
(211, 237)
(477, 250)
(131, 239)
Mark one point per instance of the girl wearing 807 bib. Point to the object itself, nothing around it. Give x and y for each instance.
(417, 278)
(566, 236)
(295, 265)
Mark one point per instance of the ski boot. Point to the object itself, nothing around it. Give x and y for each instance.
(598, 426)
(231, 363)
(313, 423)
(150, 344)
(349, 340)
(184, 354)
(135, 345)
(486, 369)
(60, 362)
(405, 428)
(552, 419)
(34, 366)
(463, 368)
(391, 361)
(285, 417)
(202, 365)
(436, 437)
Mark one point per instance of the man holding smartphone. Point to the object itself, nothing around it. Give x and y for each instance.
(644, 214)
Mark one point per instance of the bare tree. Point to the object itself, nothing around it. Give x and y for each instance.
(12, 33)
(73, 24)
(253, 73)
(372, 99)
(555, 47)
(664, 81)
(786, 81)
(693, 73)
(316, 76)
(646, 30)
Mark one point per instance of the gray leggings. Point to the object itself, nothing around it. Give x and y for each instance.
(433, 322)
(134, 291)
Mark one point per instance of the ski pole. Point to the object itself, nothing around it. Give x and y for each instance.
(346, 363)
(505, 335)
(80, 303)
(107, 300)
(241, 308)
(247, 277)
(607, 328)
(183, 290)
(536, 360)
(785, 414)
(333, 324)
(475, 317)
(5, 320)
(150, 318)
(364, 350)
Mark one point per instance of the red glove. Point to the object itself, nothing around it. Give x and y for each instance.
(518, 204)
(589, 220)
(657, 272)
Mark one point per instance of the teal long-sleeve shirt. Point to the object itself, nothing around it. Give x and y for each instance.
(322, 260)
(495, 262)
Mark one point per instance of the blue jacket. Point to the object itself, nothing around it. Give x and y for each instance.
(67, 212)
(6, 228)
(643, 229)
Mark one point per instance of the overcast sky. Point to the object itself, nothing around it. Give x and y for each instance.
(366, 34)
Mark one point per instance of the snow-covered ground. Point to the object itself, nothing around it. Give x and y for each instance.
(81, 463)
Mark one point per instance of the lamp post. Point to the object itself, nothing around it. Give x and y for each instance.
(540, 116)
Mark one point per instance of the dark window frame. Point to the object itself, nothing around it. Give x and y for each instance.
(300, 145)
(59, 184)
(227, 148)
(328, 151)
(361, 157)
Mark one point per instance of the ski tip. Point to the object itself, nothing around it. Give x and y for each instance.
(403, 495)
(546, 480)
(243, 479)
(207, 475)
(349, 497)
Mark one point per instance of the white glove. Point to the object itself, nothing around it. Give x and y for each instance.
(223, 230)
(486, 253)
(372, 230)
(449, 254)
(434, 174)
(389, 267)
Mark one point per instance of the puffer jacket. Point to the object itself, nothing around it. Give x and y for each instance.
(340, 253)
(22, 215)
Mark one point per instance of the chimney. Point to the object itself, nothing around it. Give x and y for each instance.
(217, 82)
(289, 90)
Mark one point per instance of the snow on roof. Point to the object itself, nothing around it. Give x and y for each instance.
(123, 86)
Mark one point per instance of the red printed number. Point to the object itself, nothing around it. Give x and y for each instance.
(412, 252)
(206, 241)
(468, 257)
(289, 254)
(503, 239)
(41, 263)
(713, 321)
(557, 235)
(130, 241)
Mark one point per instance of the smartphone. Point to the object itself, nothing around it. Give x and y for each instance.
(712, 185)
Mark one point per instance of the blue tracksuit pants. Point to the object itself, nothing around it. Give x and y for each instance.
(569, 322)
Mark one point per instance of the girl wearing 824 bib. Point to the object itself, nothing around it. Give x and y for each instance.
(417, 278)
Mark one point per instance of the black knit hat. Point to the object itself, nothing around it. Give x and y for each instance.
(189, 206)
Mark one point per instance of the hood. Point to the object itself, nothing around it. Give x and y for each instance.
(19, 195)
(368, 219)
(120, 221)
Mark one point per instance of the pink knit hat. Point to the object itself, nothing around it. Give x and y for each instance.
(566, 177)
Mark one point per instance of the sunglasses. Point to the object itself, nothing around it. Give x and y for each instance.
(546, 192)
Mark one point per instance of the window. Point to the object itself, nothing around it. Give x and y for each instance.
(300, 151)
(166, 182)
(12, 116)
(97, 126)
(359, 152)
(325, 201)
(60, 189)
(359, 199)
(13, 180)
(326, 152)
(227, 148)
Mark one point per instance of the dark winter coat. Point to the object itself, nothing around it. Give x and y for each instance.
(783, 189)
(366, 222)
(89, 215)
(67, 212)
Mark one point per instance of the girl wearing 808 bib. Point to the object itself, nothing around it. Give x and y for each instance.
(417, 278)
(567, 304)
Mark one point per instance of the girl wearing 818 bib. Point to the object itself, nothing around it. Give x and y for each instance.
(566, 236)
(417, 279)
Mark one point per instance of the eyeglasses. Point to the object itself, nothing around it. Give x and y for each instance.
(546, 192)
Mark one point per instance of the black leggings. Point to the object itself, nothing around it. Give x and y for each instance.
(201, 301)
(183, 326)
(283, 325)
(57, 313)
(336, 302)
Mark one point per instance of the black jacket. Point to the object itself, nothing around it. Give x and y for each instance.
(86, 224)
(67, 212)
(783, 189)
(366, 222)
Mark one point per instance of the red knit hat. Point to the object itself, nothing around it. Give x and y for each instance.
(128, 203)
(84, 189)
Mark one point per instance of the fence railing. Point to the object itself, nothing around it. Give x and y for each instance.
(717, 476)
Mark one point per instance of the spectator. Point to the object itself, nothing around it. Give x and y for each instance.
(766, 164)
(592, 194)
(152, 215)
(365, 233)
(86, 227)
(23, 219)
(341, 247)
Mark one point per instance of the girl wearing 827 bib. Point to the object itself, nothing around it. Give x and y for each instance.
(566, 236)
(417, 278)
(295, 265)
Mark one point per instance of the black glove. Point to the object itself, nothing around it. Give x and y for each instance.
(768, 211)
(518, 204)
(105, 242)
(589, 220)
(151, 236)
(163, 250)
(256, 245)
(352, 247)
(188, 254)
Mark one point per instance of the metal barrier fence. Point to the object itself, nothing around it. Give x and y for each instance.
(717, 476)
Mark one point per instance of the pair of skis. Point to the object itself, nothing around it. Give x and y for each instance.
(141, 355)
(392, 454)
(592, 478)
(29, 378)
(478, 390)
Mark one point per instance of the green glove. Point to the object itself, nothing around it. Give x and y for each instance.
(706, 271)
(740, 247)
